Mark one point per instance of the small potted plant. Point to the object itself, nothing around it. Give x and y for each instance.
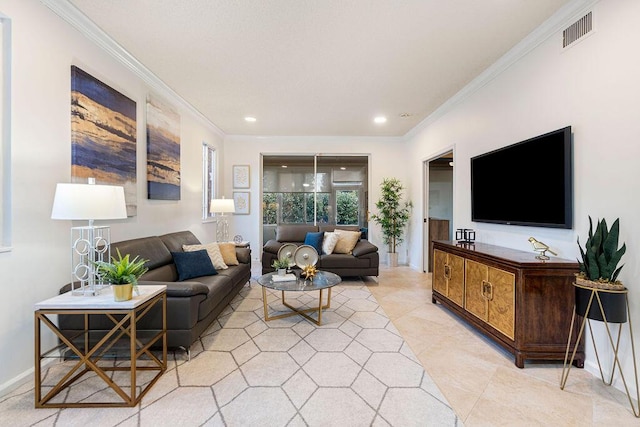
(281, 265)
(599, 270)
(123, 274)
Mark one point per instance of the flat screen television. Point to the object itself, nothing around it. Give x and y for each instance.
(528, 183)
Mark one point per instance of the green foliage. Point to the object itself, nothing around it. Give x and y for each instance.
(393, 214)
(347, 207)
(600, 256)
(269, 208)
(121, 270)
(280, 263)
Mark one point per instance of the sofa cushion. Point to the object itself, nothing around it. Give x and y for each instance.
(342, 261)
(294, 232)
(228, 251)
(329, 242)
(243, 255)
(174, 241)
(214, 253)
(150, 248)
(346, 241)
(364, 247)
(315, 240)
(193, 264)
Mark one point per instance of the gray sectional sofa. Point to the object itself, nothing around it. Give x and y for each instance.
(363, 260)
(191, 305)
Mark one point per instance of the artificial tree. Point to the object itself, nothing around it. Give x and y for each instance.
(393, 215)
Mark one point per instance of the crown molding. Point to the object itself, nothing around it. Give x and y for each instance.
(78, 20)
(565, 16)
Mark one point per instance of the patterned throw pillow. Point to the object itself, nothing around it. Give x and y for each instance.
(346, 241)
(214, 253)
(193, 264)
(329, 242)
(228, 251)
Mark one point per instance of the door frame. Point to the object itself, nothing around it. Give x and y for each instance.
(425, 199)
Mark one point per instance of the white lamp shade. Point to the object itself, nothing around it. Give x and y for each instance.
(88, 202)
(222, 206)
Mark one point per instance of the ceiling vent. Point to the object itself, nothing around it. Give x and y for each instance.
(578, 29)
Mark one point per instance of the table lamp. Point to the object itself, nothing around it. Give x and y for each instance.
(222, 206)
(89, 244)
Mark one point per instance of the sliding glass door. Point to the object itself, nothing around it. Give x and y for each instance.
(315, 189)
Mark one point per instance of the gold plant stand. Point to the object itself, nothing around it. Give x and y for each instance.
(595, 294)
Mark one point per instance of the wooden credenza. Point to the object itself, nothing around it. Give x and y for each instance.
(521, 303)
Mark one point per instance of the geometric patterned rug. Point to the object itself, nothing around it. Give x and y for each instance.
(353, 370)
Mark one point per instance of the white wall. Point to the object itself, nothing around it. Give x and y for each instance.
(387, 155)
(44, 48)
(592, 86)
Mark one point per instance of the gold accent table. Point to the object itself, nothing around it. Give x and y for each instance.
(597, 296)
(93, 351)
(321, 281)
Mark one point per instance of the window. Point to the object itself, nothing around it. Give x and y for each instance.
(313, 189)
(208, 179)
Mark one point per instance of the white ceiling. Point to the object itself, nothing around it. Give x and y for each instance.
(317, 67)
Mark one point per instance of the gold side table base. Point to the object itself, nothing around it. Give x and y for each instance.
(297, 311)
(614, 346)
(89, 355)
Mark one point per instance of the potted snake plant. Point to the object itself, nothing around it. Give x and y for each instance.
(123, 274)
(599, 270)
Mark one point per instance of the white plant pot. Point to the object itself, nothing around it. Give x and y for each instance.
(282, 271)
(392, 259)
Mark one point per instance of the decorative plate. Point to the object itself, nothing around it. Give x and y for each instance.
(237, 238)
(286, 251)
(305, 255)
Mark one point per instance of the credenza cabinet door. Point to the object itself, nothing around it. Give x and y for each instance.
(456, 279)
(501, 307)
(490, 295)
(439, 279)
(448, 276)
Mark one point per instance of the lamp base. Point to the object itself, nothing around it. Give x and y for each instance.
(88, 245)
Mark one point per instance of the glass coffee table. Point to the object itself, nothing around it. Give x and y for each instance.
(321, 281)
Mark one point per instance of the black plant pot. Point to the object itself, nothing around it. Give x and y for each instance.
(613, 303)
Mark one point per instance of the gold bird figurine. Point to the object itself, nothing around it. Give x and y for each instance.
(541, 247)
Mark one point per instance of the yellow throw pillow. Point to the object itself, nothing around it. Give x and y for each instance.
(228, 251)
(346, 241)
(214, 253)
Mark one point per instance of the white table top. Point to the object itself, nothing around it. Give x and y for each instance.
(104, 300)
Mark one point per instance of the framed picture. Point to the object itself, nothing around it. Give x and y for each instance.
(241, 176)
(103, 135)
(241, 200)
(163, 150)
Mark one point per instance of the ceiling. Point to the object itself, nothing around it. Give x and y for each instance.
(317, 67)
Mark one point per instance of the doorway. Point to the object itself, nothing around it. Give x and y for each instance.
(438, 219)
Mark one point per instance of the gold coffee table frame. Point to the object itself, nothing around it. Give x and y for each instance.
(90, 355)
(323, 280)
(593, 298)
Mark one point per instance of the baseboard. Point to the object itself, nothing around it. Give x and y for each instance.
(591, 366)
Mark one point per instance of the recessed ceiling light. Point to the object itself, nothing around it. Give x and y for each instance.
(284, 166)
(305, 185)
(380, 119)
(342, 168)
(250, 119)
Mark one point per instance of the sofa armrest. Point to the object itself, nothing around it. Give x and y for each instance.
(272, 246)
(243, 255)
(364, 247)
(180, 289)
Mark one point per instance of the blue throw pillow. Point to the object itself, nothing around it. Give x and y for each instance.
(315, 240)
(193, 264)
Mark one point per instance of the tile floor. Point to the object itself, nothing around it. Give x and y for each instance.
(479, 379)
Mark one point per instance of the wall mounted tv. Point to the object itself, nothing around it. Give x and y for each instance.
(528, 183)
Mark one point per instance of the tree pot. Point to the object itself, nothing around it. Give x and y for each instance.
(614, 305)
(392, 259)
(122, 292)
